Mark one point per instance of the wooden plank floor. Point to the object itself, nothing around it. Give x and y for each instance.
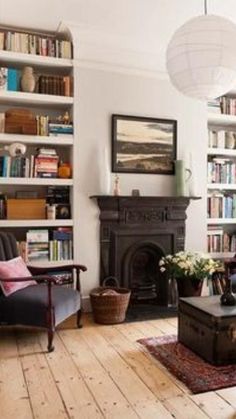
(97, 372)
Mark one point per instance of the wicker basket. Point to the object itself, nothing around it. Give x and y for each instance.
(109, 308)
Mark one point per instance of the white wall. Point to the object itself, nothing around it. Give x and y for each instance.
(102, 93)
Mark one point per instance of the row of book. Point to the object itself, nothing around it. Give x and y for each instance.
(29, 43)
(221, 139)
(220, 170)
(44, 164)
(217, 285)
(228, 105)
(221, 206)
(45, 245)
(220, 241)
(56, 85)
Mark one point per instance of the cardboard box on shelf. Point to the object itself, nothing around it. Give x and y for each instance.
(26, 209)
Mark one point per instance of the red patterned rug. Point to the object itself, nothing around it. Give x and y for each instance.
(196, 374)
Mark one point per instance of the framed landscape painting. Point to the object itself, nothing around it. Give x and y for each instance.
(143, 145)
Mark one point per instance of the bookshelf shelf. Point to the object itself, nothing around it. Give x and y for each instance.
(16, 58)
(220, 221)
(36, 223)
(37, 139)
(221, 152)
(35, 99)
(35, 181)
(221, 120)
(221, 255)
(222, 186)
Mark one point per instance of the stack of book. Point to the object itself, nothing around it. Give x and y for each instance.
(55, 128)
(60, 244)
(58, 195)
(46, 163)
(37, 245)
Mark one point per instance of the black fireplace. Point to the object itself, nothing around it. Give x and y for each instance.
(135, 232)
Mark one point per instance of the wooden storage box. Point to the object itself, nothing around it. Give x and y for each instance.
(208, 328)
(20, 121)
(26, 209)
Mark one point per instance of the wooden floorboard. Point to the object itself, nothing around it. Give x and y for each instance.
(98, 372)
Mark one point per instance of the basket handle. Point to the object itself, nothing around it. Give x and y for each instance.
(110, 278)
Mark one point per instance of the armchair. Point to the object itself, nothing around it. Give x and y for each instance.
(45, 304)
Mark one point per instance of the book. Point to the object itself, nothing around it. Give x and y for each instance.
(13, 78)
(3, 78)
(2, 122)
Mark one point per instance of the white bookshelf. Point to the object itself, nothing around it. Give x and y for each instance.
(39, 104)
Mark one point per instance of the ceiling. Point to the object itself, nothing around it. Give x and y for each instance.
(145, 25)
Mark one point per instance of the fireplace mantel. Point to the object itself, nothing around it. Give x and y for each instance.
(135, 232)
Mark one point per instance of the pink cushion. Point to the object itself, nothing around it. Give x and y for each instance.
(14, 268)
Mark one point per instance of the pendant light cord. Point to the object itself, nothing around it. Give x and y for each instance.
(205, 7)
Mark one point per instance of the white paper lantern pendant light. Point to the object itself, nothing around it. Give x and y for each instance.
(201, 57)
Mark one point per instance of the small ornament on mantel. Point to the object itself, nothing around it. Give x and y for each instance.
(116, 190)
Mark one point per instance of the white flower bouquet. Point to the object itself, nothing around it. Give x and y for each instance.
(189, 265)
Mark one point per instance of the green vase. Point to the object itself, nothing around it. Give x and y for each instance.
(182, 176)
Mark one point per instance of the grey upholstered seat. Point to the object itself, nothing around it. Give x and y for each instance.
(45, 304)
(29, 305)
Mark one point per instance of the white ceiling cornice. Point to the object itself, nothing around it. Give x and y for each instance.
(95, 48)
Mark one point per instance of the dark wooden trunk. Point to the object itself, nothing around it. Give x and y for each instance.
(208, 328)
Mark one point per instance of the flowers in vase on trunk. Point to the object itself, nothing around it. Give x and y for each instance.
(189, 264)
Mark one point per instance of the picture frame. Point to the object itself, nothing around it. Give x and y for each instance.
(63, 211)
(143, 145)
